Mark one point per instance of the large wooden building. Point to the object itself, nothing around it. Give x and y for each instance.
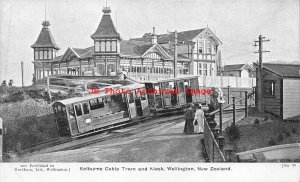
(281, 90)
(151, 54)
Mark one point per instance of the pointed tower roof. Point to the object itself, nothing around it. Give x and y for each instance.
(45, 39)
(106, 28)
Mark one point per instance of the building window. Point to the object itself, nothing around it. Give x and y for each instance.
(36, 54)
(205, 69)
(200, 47)
(102, 47)
(114, 46)
(269, 88)
(208, 48)
(97, 46)
(41, 54)
(45, 54)
(50, 54)
(199, 68)
(108, 48)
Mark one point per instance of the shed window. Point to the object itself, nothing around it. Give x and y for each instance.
(269, 88)
(78, 110)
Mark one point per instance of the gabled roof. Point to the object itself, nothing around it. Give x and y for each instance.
(45, 38)
(106, 28)
(182, 36)
(165, 38)
(236, 67)
(284, 70)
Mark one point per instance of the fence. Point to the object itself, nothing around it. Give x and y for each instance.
(212, 146)
(213, 139)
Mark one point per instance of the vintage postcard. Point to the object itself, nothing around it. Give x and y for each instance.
(150, 87)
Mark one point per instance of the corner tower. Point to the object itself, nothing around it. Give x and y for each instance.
(106, 46)
(45, 50)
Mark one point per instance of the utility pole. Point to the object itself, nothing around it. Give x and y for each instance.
(259, 76)
(22, 72)
(175, 55)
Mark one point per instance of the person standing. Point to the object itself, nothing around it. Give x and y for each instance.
(189, 118)
(199, 119)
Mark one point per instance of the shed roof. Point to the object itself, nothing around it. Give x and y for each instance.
(284, 70)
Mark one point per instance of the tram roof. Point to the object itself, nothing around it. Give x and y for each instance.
(88, 97)
(173, 79)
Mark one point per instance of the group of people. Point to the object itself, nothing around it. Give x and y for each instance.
(194, 119)
(194, 114)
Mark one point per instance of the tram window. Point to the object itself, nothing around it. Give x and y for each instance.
(96, 103)
(58, 108)
(143, 96)
(131, 99)
(85, 108)
(78, 110)
(71, 111)
(137, 94)
(181, 87)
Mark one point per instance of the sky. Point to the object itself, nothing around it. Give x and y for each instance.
(237, 23)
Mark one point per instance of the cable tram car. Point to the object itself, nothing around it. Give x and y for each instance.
(79, 115)
(172, 95)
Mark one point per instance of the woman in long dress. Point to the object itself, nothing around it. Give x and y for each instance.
(199, 120)
(189, 118)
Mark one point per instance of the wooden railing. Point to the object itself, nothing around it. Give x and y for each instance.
(213, 139)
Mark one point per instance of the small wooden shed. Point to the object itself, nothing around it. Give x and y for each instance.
(281, 90)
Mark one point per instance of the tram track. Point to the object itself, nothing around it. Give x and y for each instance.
(99, 133)
(104, 133)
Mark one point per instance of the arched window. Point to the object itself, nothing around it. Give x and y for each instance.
(102, 47)
(114, 46)
(97, 46)
(41, 54)
(45, 54)
(108, 48)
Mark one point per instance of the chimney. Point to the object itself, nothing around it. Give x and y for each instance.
(153, 37)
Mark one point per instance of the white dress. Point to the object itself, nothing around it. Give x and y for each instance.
(199, 117)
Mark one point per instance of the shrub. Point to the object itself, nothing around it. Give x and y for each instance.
(287, 134)
(15, 96)
(294, 131)
(233, 132)
(280, 137)
(256, 121)
(271, 142)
